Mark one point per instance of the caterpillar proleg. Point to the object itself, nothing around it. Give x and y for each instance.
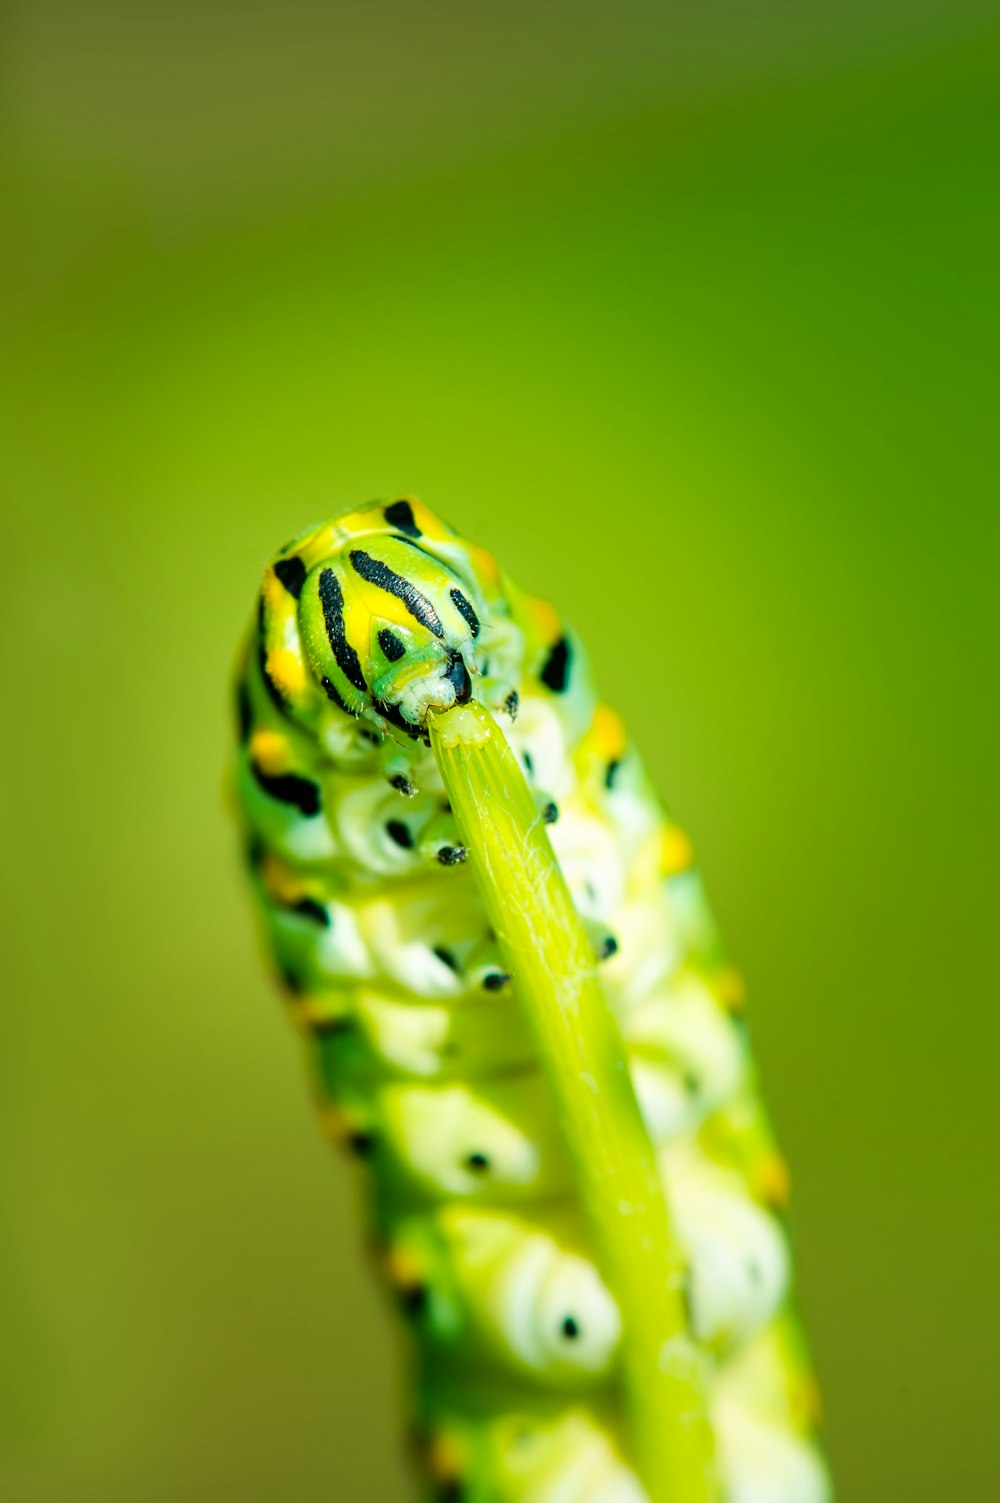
(384, 650)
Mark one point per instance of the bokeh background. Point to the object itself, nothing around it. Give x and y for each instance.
(690, 313)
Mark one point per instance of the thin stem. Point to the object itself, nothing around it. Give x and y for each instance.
(547, 950)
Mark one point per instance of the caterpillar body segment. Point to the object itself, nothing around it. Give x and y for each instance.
(422, 1062)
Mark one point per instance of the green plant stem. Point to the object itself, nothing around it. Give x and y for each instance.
(547, 950)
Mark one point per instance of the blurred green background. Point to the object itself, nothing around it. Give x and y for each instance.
(693, 309)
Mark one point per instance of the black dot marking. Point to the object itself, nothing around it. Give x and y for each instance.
(608, 948)
(292, 573)
(310, 909)
(391, 645)
(402, 785)
(555, 671)
(445, 957)
(452, 855)
(464, 609)
(477, 1162)
(413, 1298)
(570, 1328)
(511, 704)
(400, 833)
(289, 788)
(494, 981)
(332, 600)
(361, 1142)
(611, 774)
(293, 984)
(550, 813)
(400, 514)
(331, 1028)
(244, 711)
(333, 694)
(375, 572)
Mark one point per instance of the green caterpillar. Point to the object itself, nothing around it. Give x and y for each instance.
(422, 1062)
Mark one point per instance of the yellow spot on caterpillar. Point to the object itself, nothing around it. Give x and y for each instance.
(269, 751)
(345, 1128)
(444, 1458)
(676, 853)
(401, 1268)
(274, 594)
(607, 730)
(547, 619)
(602, 744)
(279, 606)
(284, 663)
(485, 566)
(280, 881)
(428, 523)
(771, 1180)
(730, 990)
(287, 671)
(334, 1123)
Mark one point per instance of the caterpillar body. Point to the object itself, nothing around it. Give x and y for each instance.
(422, 1063)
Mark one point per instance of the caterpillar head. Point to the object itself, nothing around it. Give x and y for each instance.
(386, 622)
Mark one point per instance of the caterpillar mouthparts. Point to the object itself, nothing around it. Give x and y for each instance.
(440, 685)
(518, 1014)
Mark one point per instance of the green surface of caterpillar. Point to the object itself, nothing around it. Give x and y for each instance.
(422, 1058)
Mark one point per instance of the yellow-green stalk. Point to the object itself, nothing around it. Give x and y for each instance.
(547, 950)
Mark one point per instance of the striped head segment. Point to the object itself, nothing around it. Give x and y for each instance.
(382, 610)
